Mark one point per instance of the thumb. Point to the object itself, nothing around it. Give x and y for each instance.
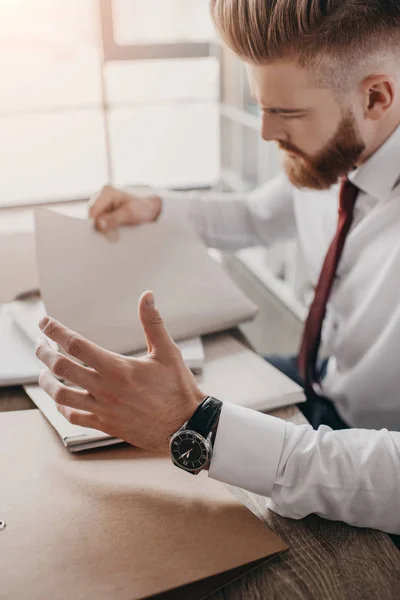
(154, 329)
(113, 220)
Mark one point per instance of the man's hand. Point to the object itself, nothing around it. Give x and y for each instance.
(142, 401)
(111, 208)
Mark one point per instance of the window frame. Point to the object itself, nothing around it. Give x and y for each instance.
(113, 51)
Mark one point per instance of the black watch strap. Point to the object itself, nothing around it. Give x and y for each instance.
(205, 416)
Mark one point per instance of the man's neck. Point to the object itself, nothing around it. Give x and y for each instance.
(384, 133)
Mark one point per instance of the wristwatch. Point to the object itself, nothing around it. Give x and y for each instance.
(191, 446)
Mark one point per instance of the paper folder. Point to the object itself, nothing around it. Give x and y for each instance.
(117, 523)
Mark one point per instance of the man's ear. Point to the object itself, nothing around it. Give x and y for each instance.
(379, 93)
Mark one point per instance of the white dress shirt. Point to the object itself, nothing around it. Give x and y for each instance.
(349, 475)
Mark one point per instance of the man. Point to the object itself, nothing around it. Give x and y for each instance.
(327, 77)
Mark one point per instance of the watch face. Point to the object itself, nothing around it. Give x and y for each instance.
(189, 450)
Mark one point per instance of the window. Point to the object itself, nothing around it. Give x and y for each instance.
(97, 91)
(247, 162)
(176, 21)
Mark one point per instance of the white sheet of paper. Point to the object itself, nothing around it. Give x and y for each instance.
(192, 353)
(18, 363)
(26, 315)
(93, 285)
(18, 272)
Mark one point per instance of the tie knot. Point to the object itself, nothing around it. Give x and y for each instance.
(348, 195)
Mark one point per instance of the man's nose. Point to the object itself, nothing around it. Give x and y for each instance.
(271, 129)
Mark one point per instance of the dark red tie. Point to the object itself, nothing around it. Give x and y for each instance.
(312, 331)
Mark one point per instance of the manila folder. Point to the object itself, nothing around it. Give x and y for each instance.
(115, 523)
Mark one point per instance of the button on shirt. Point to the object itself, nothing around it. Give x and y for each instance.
(361, 334)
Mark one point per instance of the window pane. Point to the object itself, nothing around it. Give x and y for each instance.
(40, 23)
(162, 80)
(50, 59)
(38, 80)
(51, 156)
(50, 54)
(52, 138)
(175, 145)
(157, 21)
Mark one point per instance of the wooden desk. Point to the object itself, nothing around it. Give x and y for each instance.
(326, 560)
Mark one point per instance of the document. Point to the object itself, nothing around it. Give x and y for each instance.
(74, 437)
(18, 272)
(234, 373)
(192, 353)
(93, 285)
(115, 523)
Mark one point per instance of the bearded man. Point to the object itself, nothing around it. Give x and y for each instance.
(326, 74)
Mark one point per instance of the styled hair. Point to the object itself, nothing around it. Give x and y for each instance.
(309, 31)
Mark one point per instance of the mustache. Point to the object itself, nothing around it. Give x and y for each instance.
(288, 147)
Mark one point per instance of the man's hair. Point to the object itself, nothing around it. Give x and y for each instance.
(312, 32)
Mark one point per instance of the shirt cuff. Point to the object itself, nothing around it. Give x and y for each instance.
(174, 206)
(247, 449)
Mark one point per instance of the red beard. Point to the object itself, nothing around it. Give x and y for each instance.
(338, 158)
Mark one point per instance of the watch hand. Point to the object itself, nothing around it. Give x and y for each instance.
(186, 454)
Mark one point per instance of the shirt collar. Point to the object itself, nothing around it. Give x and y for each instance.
(380, 173)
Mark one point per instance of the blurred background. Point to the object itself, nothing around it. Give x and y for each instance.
(138, 92)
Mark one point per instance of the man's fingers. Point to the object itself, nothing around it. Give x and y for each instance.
(103, 201)
(110, 209)
(81, 418)
(113, 220)
(76, 345)
(156, 333)
(65, 368)
(66, 396)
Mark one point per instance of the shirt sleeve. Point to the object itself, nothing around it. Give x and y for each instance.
(230, 221)
(349, 475)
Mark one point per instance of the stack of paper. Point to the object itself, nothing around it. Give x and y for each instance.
(26, 315)
(18, 363)
(74, 437)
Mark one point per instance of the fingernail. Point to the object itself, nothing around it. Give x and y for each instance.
(102, 224)
(41, 373)
(150, 300)
(43, 322)
(40, 341)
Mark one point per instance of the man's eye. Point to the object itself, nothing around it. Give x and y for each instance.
(292, 116)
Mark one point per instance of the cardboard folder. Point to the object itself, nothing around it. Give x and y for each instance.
(116, 523)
